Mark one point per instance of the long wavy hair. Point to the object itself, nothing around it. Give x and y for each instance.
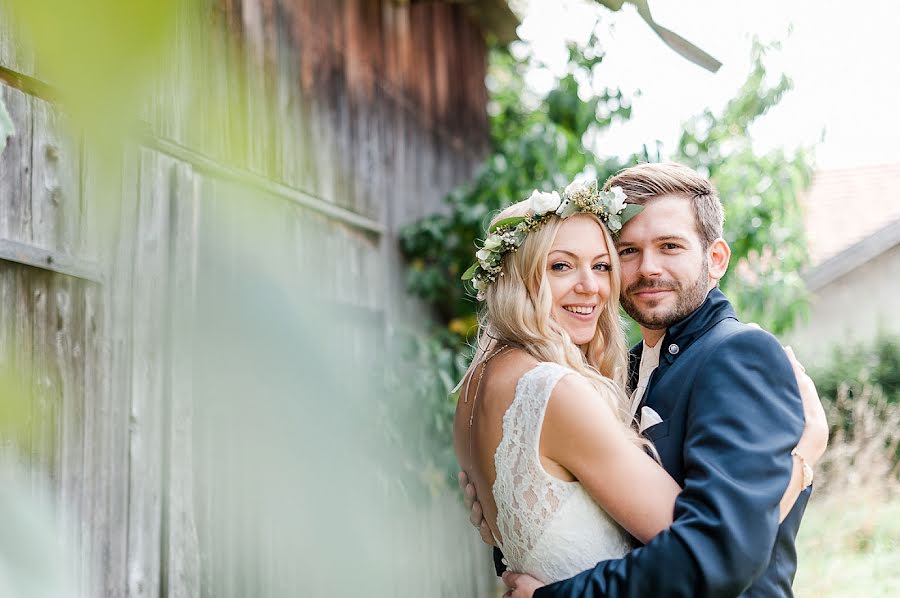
(518, 310)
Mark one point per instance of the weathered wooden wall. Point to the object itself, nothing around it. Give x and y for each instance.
(345, 120)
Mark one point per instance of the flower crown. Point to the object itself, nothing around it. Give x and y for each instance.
(508, 234)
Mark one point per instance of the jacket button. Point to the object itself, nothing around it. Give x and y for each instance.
(673, 349)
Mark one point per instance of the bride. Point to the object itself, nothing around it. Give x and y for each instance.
(563, 483)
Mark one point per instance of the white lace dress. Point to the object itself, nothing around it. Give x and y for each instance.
(551, 529)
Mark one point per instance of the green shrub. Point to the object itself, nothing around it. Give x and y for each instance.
(876, 363)
(860, 389)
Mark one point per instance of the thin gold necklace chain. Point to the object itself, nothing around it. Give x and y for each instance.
(477, 388)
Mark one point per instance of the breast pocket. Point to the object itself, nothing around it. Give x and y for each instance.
(657, 432)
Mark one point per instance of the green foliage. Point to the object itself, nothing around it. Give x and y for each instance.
(763, 222)
(860, 388)
(876, 363)
(418, 420)
(543, 142)
(867, 372)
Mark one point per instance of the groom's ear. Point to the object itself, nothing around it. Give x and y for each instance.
(718, 254)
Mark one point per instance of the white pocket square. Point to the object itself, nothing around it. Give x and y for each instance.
(649, 418)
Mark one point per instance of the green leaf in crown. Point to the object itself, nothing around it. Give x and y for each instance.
(631, 210)
(510, 222)
(470, 272)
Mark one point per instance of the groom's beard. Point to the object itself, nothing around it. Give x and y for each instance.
(687, 299)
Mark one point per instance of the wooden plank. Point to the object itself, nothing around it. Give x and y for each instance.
(102, 463)
(210, 166)
(58, 347)
(95, 374)
(118, 358)
(258, 79)
(15, 362)
(182, 553)
(55, 193)
(14, 54)
(28, 85)
(53, 261)
(148, 327)
(15, 167)
(17, 300)
(15, 184)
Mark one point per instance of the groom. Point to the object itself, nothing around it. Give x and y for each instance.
(718, 399)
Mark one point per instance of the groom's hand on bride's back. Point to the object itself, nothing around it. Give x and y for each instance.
(476, 515)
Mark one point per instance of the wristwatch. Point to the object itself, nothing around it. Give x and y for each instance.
(807, 470)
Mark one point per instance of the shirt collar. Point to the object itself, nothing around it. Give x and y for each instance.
(650, 355)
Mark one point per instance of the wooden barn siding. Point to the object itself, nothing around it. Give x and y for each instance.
(375, 108)
(47, 330)
(351, 76)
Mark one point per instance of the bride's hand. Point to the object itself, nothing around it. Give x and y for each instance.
(521, 585)
(476, 515)
(814, 440)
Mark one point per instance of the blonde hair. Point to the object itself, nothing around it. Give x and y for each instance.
(518, 312)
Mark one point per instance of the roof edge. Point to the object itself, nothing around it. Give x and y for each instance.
(854, 256)
(496, 17)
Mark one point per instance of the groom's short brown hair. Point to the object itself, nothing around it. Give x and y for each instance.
(645, 182)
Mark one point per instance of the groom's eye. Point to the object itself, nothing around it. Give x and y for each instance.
(628, 251)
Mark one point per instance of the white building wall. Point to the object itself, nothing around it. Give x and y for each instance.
(851, 309)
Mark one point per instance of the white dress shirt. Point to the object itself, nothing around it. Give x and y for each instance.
(649, 361)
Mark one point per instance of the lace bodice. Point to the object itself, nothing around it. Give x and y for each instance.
(551, 529)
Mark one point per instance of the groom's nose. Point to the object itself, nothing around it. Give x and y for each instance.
(649, 264)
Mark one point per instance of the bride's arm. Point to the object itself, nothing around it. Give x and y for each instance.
(814, 440)
(582, 434)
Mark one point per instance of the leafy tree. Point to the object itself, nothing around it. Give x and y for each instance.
(763, 222)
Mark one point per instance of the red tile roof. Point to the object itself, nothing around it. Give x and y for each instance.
(844, 206)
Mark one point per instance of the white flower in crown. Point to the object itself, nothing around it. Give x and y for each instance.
(492, 242)
(542, 203)
(576, 188)
(617, 203)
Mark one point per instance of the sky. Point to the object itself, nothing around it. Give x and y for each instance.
(842, 57)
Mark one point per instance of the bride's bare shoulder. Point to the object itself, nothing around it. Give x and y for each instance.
(575, 401)
(501, 374)
(510, 367)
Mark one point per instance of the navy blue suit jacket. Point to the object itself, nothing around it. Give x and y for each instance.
(731, 414)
